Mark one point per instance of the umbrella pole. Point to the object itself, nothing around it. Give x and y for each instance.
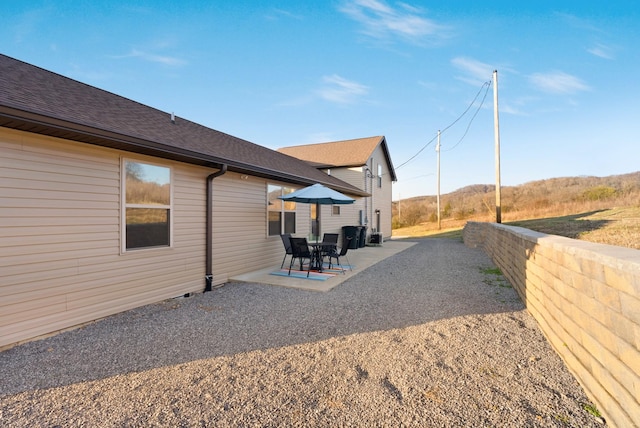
(317, 221)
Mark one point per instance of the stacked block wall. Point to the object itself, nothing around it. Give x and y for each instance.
(586, 299)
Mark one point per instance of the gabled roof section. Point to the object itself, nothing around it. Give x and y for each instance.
(36, 100)
(347, 153)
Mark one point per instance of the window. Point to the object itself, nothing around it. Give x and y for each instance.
(147, 205)
(281, 215)
(335, 209)
(379, 175)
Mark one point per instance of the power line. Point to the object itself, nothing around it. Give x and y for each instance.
(419, 151)
(472, 119)
(488, 83)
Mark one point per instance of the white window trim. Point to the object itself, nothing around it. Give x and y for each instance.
(124, 206)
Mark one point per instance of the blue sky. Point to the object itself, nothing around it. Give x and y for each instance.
(281, 73)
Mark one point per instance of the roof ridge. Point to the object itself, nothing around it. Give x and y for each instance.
(332, 142)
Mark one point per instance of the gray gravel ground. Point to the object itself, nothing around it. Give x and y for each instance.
(428, 337)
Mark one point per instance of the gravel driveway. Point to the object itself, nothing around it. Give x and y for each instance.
(428, 337)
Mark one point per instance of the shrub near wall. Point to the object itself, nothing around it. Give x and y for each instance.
(586, 299)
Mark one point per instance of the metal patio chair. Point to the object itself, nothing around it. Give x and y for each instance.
(335, 254)
(287, 247)
(300, 250)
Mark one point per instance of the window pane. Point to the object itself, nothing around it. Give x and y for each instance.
(274, 223)
(288, 206)
(147, 227)
(277, 208)
(289, 222)
(147, 184)
(273, 192)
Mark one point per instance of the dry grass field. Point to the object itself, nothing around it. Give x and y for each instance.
(604, 210)
(615, 226)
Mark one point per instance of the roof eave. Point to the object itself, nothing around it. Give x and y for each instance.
(32, 122)
(45, 125)
(385, 149)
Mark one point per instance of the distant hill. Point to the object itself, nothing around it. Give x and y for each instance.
(529, 200)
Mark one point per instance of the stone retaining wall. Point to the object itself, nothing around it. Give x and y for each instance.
(586, 299)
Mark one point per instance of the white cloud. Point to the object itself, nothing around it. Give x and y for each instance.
(27, 24)
(339, 90)
(383, 22)
(579, 23)
(558, 82)
(275, 14)
(161, 59)
(429, 85)
(602, 51)
(474, 71)
(519, 106)
(511, 109)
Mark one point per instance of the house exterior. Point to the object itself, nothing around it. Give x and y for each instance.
(364, 163)
(107, 204)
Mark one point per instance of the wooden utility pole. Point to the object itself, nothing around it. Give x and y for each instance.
(496, 126)
(438, 180)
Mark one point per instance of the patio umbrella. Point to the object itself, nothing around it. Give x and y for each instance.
(319, 195)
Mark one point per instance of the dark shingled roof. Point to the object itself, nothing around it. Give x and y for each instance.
(36, 100)
(346, 153)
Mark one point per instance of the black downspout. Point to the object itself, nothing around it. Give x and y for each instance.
(209, 252)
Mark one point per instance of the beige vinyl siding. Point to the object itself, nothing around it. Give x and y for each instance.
(330, 223)
(353, 176)
(382, 196)
(349, 216)
(238, 225)
(60, 255)
(240, 241)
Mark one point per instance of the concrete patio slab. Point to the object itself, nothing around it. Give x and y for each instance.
(360, 259)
